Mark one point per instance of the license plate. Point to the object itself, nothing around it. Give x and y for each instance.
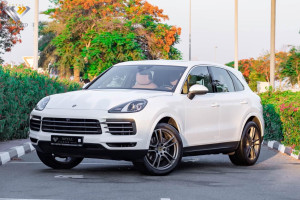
(66, 140)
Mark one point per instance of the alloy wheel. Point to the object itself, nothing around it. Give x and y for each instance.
(163, 150)
(253, 143)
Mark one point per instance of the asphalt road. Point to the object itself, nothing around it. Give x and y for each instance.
(275, 176)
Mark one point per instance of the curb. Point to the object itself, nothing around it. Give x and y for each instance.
(281, 148)
(15, 152)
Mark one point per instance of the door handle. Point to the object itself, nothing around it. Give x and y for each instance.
(215, 105)
(244, 102)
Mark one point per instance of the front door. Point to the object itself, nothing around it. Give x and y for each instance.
(202, 112)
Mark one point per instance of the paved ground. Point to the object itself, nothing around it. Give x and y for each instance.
(12, 143)
(275, 176)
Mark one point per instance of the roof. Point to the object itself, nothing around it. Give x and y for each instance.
(175, 63)
(172, 63)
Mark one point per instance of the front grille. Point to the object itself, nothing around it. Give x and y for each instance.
(35, 123)
(120, 127)
(71, 126)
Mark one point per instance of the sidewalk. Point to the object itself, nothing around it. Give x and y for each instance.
(12, 143)
(14, 149)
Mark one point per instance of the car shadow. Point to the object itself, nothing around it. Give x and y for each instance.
(207, 164)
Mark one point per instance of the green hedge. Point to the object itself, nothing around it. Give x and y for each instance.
(282, 117)
(20, 90)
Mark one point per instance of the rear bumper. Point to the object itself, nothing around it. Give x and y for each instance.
(89, 150)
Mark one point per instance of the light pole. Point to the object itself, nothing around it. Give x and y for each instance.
(236, 59)
(36, 35)
(216, 54)
(190, 31)
(272, 49)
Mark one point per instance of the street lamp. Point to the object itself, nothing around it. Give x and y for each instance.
(36, 35)
(236, 59)
(190, 31)
(272, 46)
(216, 54)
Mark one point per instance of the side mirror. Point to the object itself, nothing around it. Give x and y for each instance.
(197, 90)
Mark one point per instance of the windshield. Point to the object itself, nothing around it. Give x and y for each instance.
(147, 77)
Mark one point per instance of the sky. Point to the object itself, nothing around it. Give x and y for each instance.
(212, 27)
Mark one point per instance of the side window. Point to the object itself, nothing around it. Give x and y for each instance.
(222, 80)
(237, 83)
(198, 75)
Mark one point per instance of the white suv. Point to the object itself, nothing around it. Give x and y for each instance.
(151, 113)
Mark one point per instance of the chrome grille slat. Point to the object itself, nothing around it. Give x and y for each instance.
(65, 131)
(35, 123)
(116, 122)
(71, 126)
(69, 122)
(120, 127)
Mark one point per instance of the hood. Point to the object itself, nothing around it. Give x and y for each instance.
(99, 99)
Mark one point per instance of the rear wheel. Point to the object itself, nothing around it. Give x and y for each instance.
(57, 162)
(249, 147)
(165, 151)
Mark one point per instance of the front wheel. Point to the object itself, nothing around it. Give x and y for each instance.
(57, 162)
(249, 147)
(165, 151)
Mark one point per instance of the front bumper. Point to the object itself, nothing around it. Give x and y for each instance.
(90, 151)
(96, 145)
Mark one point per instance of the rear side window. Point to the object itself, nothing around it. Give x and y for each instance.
(237, 83)
(221, 80)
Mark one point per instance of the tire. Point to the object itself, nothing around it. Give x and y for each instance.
(53, 161)
(249, 147)
(164, 154)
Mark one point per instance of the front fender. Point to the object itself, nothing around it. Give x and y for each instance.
(159, 117)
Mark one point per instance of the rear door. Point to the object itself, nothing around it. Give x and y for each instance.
(232, 103)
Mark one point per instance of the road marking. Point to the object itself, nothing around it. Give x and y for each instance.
(80, 163)
(4, 157)
(69, 176)
(165, 199)
(20, 150)
(24, 199)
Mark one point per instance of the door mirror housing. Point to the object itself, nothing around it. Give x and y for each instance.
(197, 90)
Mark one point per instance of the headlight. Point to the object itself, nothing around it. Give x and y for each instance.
(130, 107)
(42, 103)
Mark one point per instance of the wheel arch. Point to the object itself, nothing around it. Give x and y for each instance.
(257, 120)
(168, 119)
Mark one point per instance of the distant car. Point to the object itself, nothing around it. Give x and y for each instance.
(151, 113)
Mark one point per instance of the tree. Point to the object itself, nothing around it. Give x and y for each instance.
(291, 68)
(244, 66)
(9, 31)
(93, 35)
(259, 69)
(46, 49)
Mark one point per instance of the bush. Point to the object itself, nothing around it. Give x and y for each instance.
(286, 106)
(273, 125)
(290, 117)
(20, 90)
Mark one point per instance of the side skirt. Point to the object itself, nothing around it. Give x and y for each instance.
(227, 147)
